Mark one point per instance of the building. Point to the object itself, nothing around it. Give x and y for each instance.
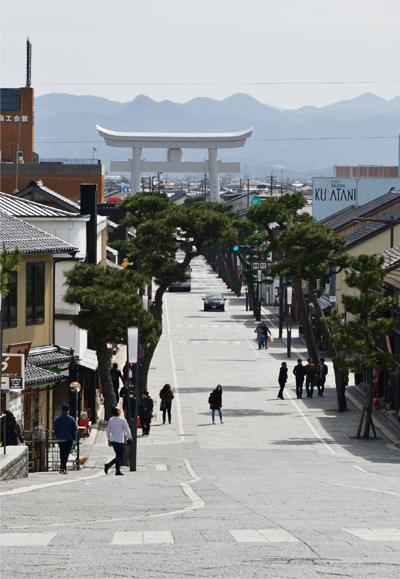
(20, 164)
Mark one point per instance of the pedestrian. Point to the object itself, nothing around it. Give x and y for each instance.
(65, 430)
(13, 430)
(116, 429)
(116, 376)
(322, 372)
(282, 379)
(126, 393)
(259, 332)
(311, 371)
(146, 412)
(166, 396)
(266, 333)
(299, 371)
(215, 401)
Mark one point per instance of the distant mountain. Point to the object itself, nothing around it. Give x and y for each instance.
(306, 141)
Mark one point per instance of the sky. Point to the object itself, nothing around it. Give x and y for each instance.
(287, 53)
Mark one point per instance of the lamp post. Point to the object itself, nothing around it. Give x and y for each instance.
(94, 149)
(289, 298)
(75, 387)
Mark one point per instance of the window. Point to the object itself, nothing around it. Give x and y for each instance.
(34, 293)
(10, 303)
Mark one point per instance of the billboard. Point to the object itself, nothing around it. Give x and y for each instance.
(332, 195)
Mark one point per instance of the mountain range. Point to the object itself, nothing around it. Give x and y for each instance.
(307, 141)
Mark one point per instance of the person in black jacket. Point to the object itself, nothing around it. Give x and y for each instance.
(146, 412)
(13, 429)
(65, 430)
(322, 372)
(216, 402)
(300, 372)
(282, 379)
(116, 376)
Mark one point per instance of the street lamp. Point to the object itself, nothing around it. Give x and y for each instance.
(289, 298)
(75, 387)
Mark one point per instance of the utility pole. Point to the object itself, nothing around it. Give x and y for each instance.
(248, 192)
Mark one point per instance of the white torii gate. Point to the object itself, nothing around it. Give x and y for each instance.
(175, 143)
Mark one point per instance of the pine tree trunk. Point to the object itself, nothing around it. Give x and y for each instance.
(331, 349)
(308, 332)
(104, 360)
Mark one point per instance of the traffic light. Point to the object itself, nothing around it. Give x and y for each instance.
(238, 248)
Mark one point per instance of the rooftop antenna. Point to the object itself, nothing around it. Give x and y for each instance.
(28, 63)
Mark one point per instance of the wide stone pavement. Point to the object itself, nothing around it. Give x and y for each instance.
(281, 489)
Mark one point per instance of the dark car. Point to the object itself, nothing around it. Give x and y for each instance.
(214, 301)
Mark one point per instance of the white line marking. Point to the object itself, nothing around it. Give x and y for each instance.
(375, 534)
(278, 536)
(127, 538)
(309, 424)
(166, 315)
(177, 398)
(21, 490)
(26, 539)
(368, 489)
(248, 536)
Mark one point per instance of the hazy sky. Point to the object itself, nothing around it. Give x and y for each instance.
(288, 53)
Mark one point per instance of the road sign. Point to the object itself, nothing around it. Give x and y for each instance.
(333, 299)
(12, 374)
(126, 189)
(141, 351)
(257, 265)
(255, 201)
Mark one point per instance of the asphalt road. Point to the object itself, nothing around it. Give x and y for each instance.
(280, 489)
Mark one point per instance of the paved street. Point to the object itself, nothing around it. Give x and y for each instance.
(280, 489)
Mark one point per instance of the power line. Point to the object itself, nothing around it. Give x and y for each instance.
(302, 83)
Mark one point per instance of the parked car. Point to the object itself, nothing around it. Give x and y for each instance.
(214, 301)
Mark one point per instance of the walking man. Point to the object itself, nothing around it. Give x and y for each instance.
(322, 372)
(146, 412)
(299, 371)
(65, 430)
(311, 371)
(266, 333)
(116, 376)
(282, 379)
(116, 429)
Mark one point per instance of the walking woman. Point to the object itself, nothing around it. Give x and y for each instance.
(282, 379)
(166, 396)
(215, 401)
(259, 331)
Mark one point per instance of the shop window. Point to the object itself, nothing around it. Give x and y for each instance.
(10, 303)
(35, 293)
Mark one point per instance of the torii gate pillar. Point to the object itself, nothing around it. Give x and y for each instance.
(213, 174)
(136, 170)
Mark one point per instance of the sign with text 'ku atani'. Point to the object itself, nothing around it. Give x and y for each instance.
(332, 195)
(12, 373)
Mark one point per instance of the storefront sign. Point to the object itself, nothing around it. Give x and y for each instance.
(15, 118)
(12, 374)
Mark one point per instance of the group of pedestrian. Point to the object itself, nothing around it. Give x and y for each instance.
(263, 335)
(310, 373)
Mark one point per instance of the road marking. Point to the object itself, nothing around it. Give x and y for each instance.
(142, 537)
(367, 489)
(322, 440)
(263, 536)
(167, 316)
(21, 490)
(375, 534)
(26, 539)
(177, 397)
(235, 342)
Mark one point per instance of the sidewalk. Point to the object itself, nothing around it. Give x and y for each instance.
(385, 420)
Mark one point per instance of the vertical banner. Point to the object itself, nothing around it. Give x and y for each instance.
(133, 344)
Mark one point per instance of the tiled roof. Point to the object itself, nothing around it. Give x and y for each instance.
(346, 216)
(392, 256)
(34, 375)
(24, 208)
(40, 185)
(371, 228)
(29, 239)
(51, 355)
(393, 277)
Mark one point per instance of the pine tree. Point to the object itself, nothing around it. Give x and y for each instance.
(358, 336)
(105, 296)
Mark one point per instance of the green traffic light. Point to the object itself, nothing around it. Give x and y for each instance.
(235, 248)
